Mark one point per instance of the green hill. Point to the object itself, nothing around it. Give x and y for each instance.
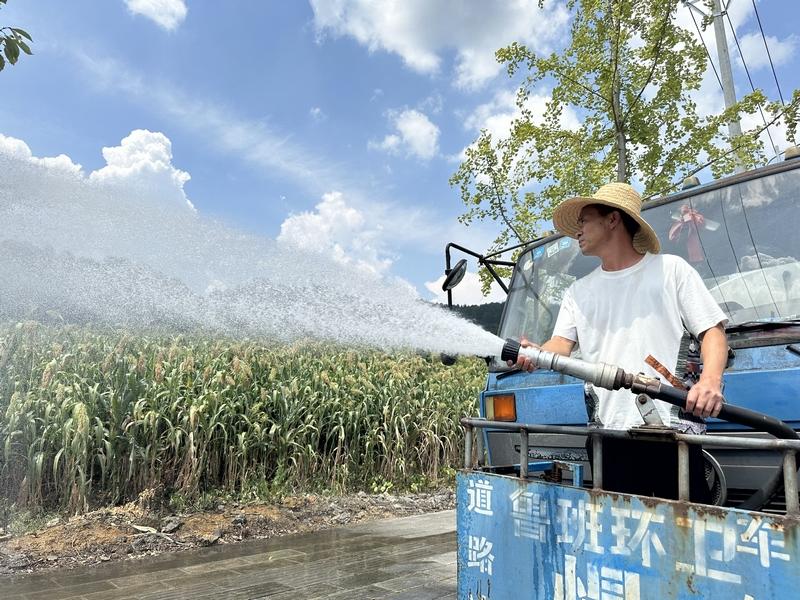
(486, 315)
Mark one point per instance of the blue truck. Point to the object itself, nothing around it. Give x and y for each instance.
(533, 518)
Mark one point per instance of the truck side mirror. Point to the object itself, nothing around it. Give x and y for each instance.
(454, 276)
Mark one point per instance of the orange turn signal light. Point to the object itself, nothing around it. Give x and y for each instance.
(502, 407)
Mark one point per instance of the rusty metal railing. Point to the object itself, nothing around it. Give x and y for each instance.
(789, 448)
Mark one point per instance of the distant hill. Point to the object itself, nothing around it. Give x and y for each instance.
(486, 315)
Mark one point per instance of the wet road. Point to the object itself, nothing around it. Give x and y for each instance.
(411, 557)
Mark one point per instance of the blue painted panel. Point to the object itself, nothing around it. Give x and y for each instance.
(774, 392)
(553, 405)
(537, 378)
(540, 540)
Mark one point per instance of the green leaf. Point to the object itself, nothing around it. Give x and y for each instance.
(11, 50)
(22, 32)
(24, 47)
(2, 63)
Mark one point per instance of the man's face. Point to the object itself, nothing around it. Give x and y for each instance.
(593, 230)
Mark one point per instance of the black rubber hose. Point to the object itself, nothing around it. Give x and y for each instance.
(748, 418)
(733, 414)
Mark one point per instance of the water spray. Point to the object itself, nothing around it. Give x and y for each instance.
(83, 251)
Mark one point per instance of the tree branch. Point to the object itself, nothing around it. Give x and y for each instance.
(721, 156)
(580, 85)
(622, 159)
(659, 45)
(502, 209)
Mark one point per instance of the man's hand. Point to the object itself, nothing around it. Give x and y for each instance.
(556, 344)
(705, 397)
(523, 362)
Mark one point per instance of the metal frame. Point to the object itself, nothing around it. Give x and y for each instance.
(487, 261)
(788, 447)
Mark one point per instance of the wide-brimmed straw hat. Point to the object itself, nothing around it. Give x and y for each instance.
(617, 195)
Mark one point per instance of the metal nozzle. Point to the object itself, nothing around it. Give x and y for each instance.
(510, 350)
(600, 374)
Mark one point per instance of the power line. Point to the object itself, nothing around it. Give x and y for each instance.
(750, 79)
(721, 156)
(769, 56)
(702, 41)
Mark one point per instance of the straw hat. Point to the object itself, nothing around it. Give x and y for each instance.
(617, 195)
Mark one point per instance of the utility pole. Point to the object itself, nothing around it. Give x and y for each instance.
(723, 57)
(725, 72)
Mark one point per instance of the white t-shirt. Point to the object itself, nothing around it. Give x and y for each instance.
(619, 317)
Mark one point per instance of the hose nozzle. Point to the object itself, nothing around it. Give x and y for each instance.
(510, 350)
(600, 374)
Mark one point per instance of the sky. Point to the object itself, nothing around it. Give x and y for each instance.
(329, 124)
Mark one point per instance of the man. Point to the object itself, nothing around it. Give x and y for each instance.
(635, 304)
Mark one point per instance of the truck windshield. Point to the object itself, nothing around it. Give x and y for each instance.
(743, 239)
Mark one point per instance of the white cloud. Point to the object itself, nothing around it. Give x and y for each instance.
(422, 31)
(468, 291)
(400, 224)
(166, 13)
(249, 139)
(142, 162)
(144, 159)
(317, 114)
(367, 233)
(358, 232)
(432, 104)
(391, 143)
(755, 55)
(19, 149)
(494, 116)
(415, 135)
(497, 116)
(339, 230)
(738, 12)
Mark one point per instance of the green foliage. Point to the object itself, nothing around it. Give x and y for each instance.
(627, 74)
(12, 41)
(92, 417)
(379, 485)
(486, 315)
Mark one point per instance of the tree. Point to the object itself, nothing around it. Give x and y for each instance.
(627, 75)
(12, 41)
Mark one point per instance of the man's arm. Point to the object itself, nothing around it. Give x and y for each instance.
(557, 344)
(705, 397)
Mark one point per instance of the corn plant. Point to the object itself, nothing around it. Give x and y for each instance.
(93, 416)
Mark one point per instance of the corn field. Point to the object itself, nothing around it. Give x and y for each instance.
(92, 417)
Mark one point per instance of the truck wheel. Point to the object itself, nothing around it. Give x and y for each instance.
(715, 479)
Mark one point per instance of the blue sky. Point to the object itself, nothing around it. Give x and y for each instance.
(333, 124)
